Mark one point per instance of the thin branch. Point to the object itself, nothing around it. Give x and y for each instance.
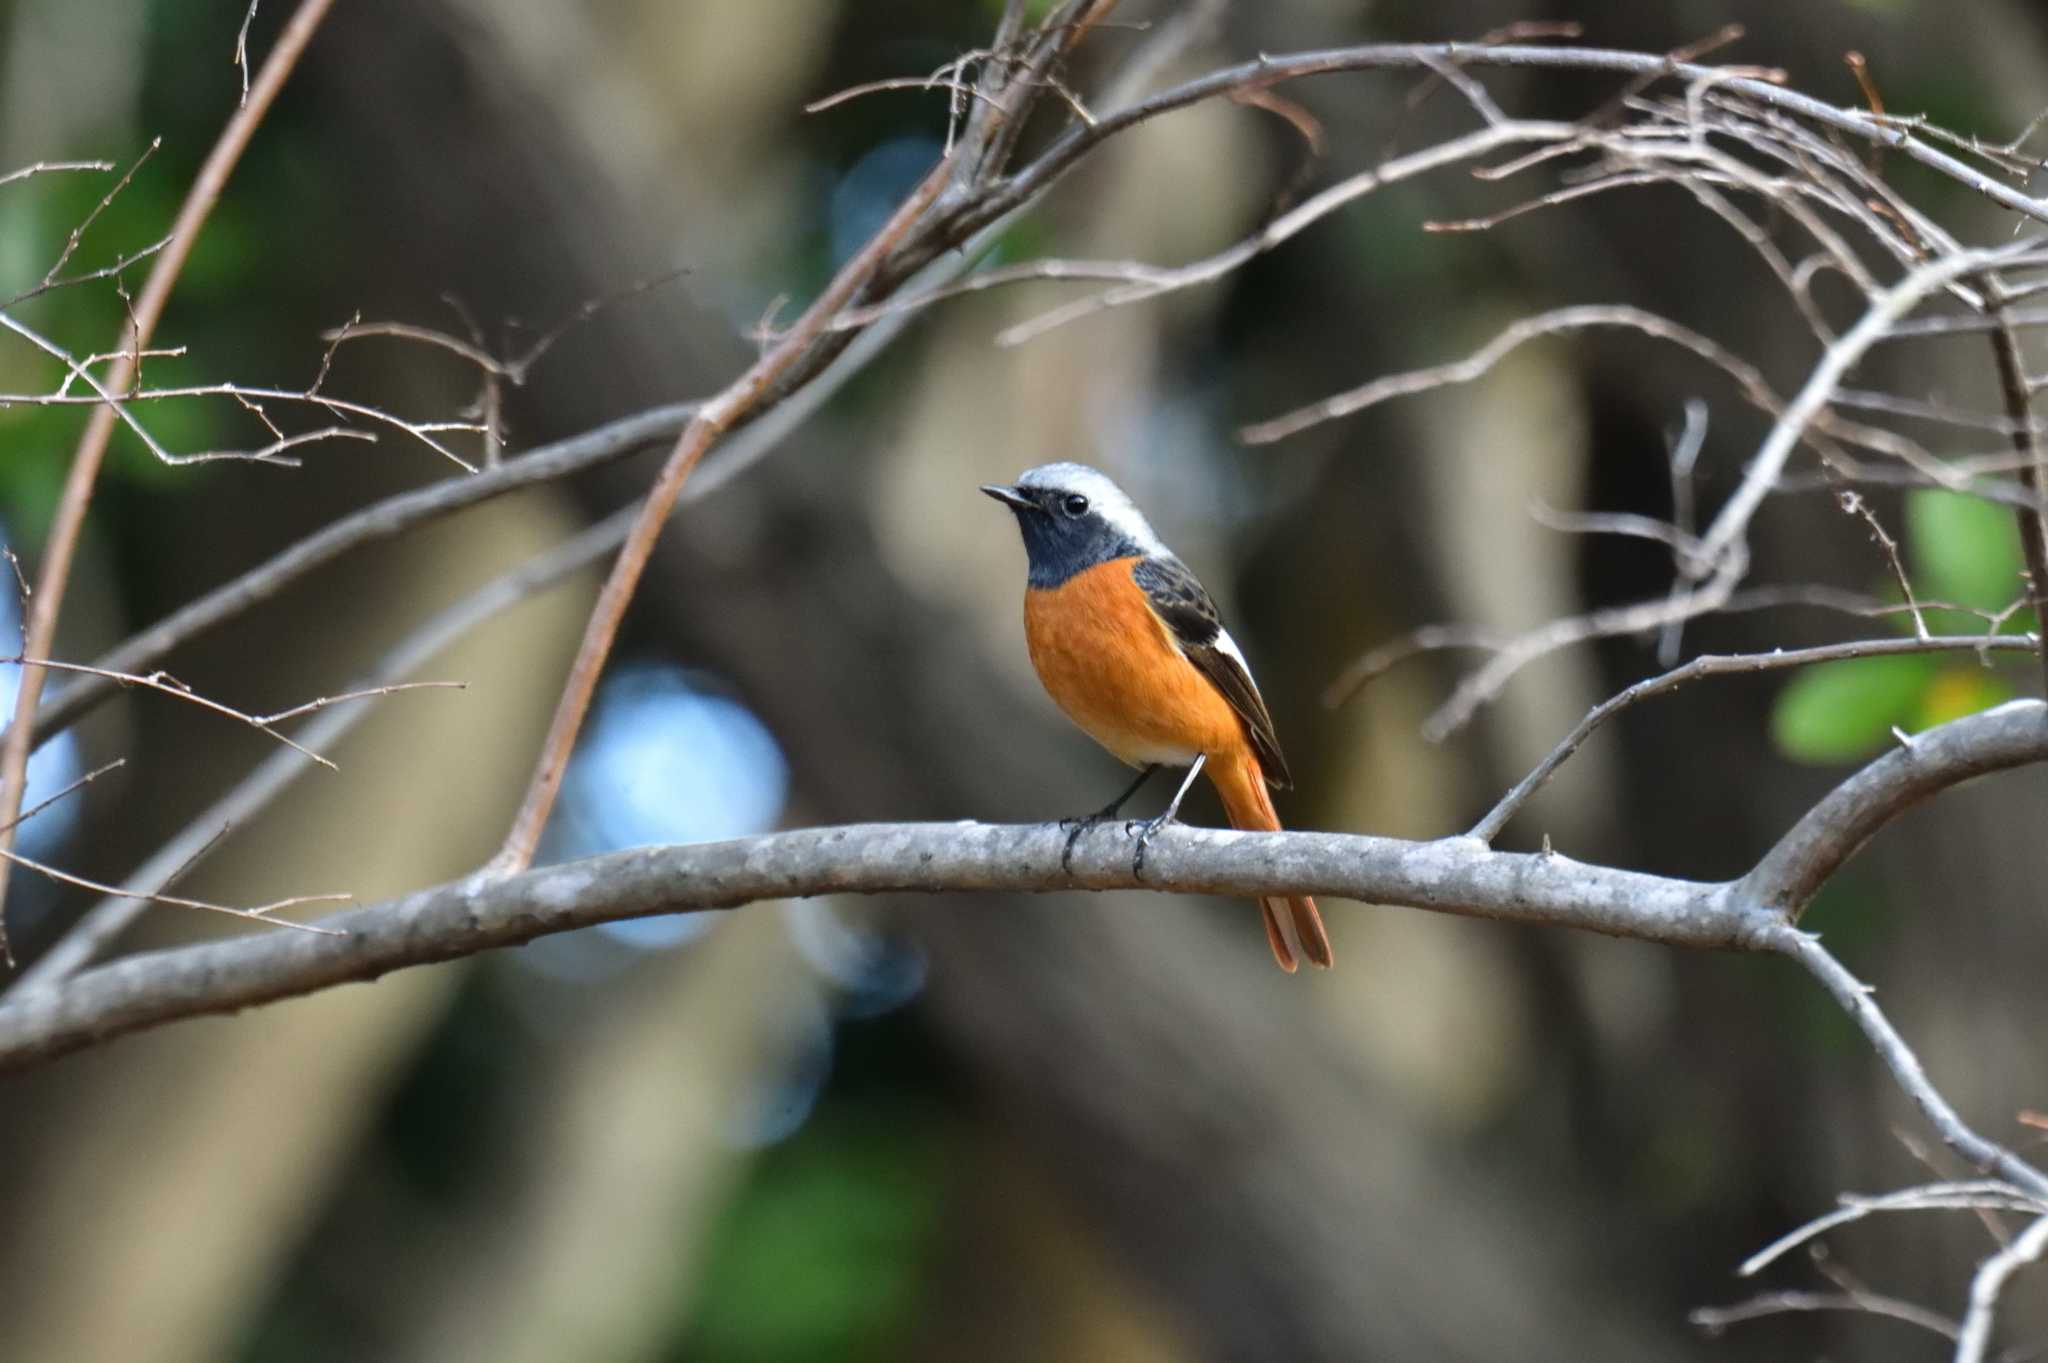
(261, 913)
(395, 515)
(78, 232)
(2027, 1248)
(1923, 409)
(2032, 469)
(171, 686)
(1852, 504)
(80, 784)
(1627, 524)
(1970, 1195)
(1731, 524)
(242, 50)
(110, 918)
(1487, 680)
(47, 167)
(121, 265)
(1069, 149)
(62, 542)
(422, 431)
(1855, 997)
(1374, 663)
(713, 419)
(1719, 665)
(1557, 322)
(1151, 281)
(375, 523)
(852, 92)
(100, 397)
(105, 923)
(1715, 1319)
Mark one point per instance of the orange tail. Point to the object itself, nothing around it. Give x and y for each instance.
(1293, 927)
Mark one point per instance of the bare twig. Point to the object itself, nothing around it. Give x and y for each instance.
(2026, 1248)
(2032, 468)
(171, 686)
(1149, 282)
(262, 913)
(380, 521)
(85, 224)
(1435, 638)
(1079, 141)
(242, 49)
(1560, 321)
(81, 783)
(711, 421)
(110, 918)
(933, 82)
(1946, 1196)
(1853, 504)
(1855, 997)
(250, 398)
(1718, 665)
(49, 167)
(1715, 1319)
(62, 542)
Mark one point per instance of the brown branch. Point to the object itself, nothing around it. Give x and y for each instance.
(80, 784)
(261, 913)
(711, 420)
(62, 542)
(377, 522)
(2032, 468)
(171, 686)
(106, 921)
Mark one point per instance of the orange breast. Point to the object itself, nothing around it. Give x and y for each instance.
(1108, 661)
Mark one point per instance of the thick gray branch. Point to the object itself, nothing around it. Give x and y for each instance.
(1451, 875)
(1834, 830)
(459, 919)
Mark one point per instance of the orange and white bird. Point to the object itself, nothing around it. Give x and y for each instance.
(1128, 643)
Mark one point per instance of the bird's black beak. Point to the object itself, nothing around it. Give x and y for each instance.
(1010, 496)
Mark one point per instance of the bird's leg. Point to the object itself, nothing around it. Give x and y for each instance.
(1145, 828)
(1076, 827)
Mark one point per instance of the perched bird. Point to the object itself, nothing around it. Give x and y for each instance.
(1128, 643)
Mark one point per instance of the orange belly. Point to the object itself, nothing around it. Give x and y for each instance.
(1108, 661)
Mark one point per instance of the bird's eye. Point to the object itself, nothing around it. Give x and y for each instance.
(1074, 504)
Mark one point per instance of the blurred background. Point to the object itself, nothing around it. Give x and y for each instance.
(988, 1128)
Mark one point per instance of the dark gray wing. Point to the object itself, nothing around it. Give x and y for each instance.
(1178, 599)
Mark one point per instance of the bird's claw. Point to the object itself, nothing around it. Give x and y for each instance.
(1142, 830)
(1075, 827)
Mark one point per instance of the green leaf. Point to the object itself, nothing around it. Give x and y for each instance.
(1959, 689)
(1837, 712)
(1962, 549)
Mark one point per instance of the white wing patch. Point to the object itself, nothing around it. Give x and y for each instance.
(1229, 645)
